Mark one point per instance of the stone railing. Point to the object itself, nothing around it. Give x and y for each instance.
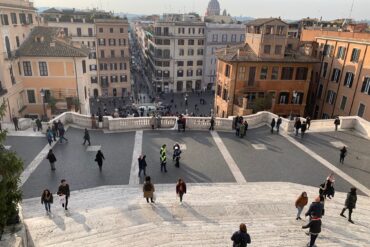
(203, 123)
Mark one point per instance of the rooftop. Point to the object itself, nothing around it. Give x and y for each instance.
(243, 53)
(49, 42)
(262, 21)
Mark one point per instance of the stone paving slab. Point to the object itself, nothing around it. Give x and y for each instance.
(77, 165)
(280, 162)
(201, 161)
(357, 161)
(27, 148)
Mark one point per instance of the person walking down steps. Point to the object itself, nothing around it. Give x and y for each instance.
(300, 203)
(148, 190)
(47, 199)
(180, 189)
(350, 204)
(315, 228)
(64, 193)
(241, 238)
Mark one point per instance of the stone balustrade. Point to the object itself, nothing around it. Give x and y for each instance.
(203, 123)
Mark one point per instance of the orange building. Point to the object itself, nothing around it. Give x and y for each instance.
(342, 80)
(263, 74)
(52, 73)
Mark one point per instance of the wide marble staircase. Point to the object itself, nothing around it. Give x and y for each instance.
(120, 216)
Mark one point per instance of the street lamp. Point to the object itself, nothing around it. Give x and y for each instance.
(42, 93)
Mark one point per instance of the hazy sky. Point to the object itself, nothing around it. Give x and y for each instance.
(287, 9)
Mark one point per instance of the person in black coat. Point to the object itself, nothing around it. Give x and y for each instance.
(315, 228)
(52, 159)
(297, 125)
(350, 204)
(63, 190)
(241, 238)
(343, 153)
(86, 137)
(99, 159)
(316, 208)
(336, 123)
(303, 129)
(142, 164)
(272, 125)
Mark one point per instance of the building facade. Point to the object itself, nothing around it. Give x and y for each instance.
(263, 74)
(342, 79)
(113, 57)
(176, 53)
(219, 36)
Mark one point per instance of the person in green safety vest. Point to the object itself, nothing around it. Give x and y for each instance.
(163, 158)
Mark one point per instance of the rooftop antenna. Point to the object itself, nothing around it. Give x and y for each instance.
(350, 12)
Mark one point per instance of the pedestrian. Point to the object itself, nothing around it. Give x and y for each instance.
(15, 122)
(54, 132)
(86, 137)
(242, 130)
(303, 128)
(329, 190)
(343, 153)
(176, 154)
(153, 122)
(142, 164)
(163, 158)
(278, 123)
(315, 208)
(297, 125)
(38, 124)
(64, 193)
(180, 189)
(52, 159)
(308, 121)
(241, 238)
(315, 228)
(55, 125)
(61, 133)
(47, 199)
(300, 203)
(148, 190)
(99, 157)
(93, 122)
(350, 204)
(336, 123)
(49, 136)
(237, 129)
(273, 122)
(212, 122)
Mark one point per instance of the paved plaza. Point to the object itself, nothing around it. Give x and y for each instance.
(259, 157)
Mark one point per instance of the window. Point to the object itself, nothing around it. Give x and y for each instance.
(102, 54)
(22, 18)
(225, 94)
(121, 30)
(301, 73)
(242, 37)
(284, 98)
(83, 66)
(227, 70)
(123, 78)
(92, 55)
(233, 38)
(266, 49)
(200, 51)
(17, 41)
(200, 41)
(90, 31)
(190, 63)
(190, 52)
(190, 42)
(330, 97)
(113, 78)
(335, 75)
(112, 42)
(319, 91)
(65, 31)
(324, 70)
(122, 53)
(166, 63)
(355, 55)
(180, 63)
(199, 72)
(158, 41)
(275, 73)
(79, 32)
(101, 30)
(111, 30)
(94, 79)
(181, 52)
(180, 73)
(166, 42)
(341, 52)
(242, 73)
(189, 72)
(251, 76)
(366, 86)
(181, 42)
(13, 16)
(361, 110)
(166, 53)
(224, 37)
(43, 67)
(214, 37)
(287, 73)
(27, 69)
(4, 20)
(199, 63)
(101, 42)
(348, 80)
(31, 96)
(92, 67)
(343, 103)
(298, 99)
(278, 49)
(263, 74)
(112, 53)
(30, 18)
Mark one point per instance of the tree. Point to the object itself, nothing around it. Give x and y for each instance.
(262, 104)
(11, 167)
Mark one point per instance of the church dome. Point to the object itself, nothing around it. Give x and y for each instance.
(213, 8)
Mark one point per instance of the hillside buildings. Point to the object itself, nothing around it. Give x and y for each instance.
(263, 74)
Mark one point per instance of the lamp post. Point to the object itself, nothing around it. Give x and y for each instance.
(42, 93)
(293, 102)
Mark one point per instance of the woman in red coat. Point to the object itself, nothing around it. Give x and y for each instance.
(180, 188)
